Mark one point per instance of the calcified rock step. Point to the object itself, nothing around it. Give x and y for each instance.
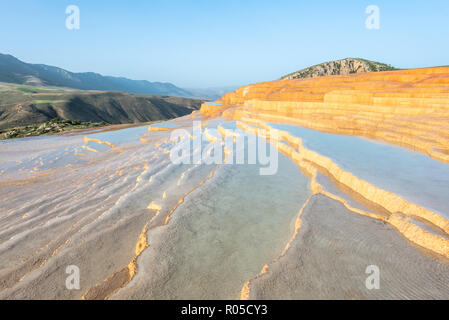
(218, 239)
(378, 205)
(114, 205)
(328, 259)
(61, 207)
(408, 107)
(394, 209)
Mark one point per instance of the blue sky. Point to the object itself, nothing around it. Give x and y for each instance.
(209, 43)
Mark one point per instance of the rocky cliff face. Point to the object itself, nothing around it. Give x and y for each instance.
(339, 67)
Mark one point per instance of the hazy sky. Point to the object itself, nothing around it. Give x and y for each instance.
(208, 43)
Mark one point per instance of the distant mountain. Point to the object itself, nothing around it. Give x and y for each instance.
(212, 93)
(339, 67)
(13, 70)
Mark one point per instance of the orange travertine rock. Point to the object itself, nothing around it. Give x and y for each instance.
(157, 129)
(208, 110)
(106, 143)
(154, 206)
(409, 108)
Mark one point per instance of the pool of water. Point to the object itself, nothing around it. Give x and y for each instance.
(414, 176)
(167, 124)
(122, 136)
(222, 235)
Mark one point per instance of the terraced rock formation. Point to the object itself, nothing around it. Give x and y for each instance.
(382, 205)
(139, 225)
(409, 108)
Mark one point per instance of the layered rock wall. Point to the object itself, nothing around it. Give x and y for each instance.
(409, 108)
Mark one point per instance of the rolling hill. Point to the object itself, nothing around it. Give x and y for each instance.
(22, 105)
(339, 67)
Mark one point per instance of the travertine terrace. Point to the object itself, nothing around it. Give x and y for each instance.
(138, 225)
(409, 108)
